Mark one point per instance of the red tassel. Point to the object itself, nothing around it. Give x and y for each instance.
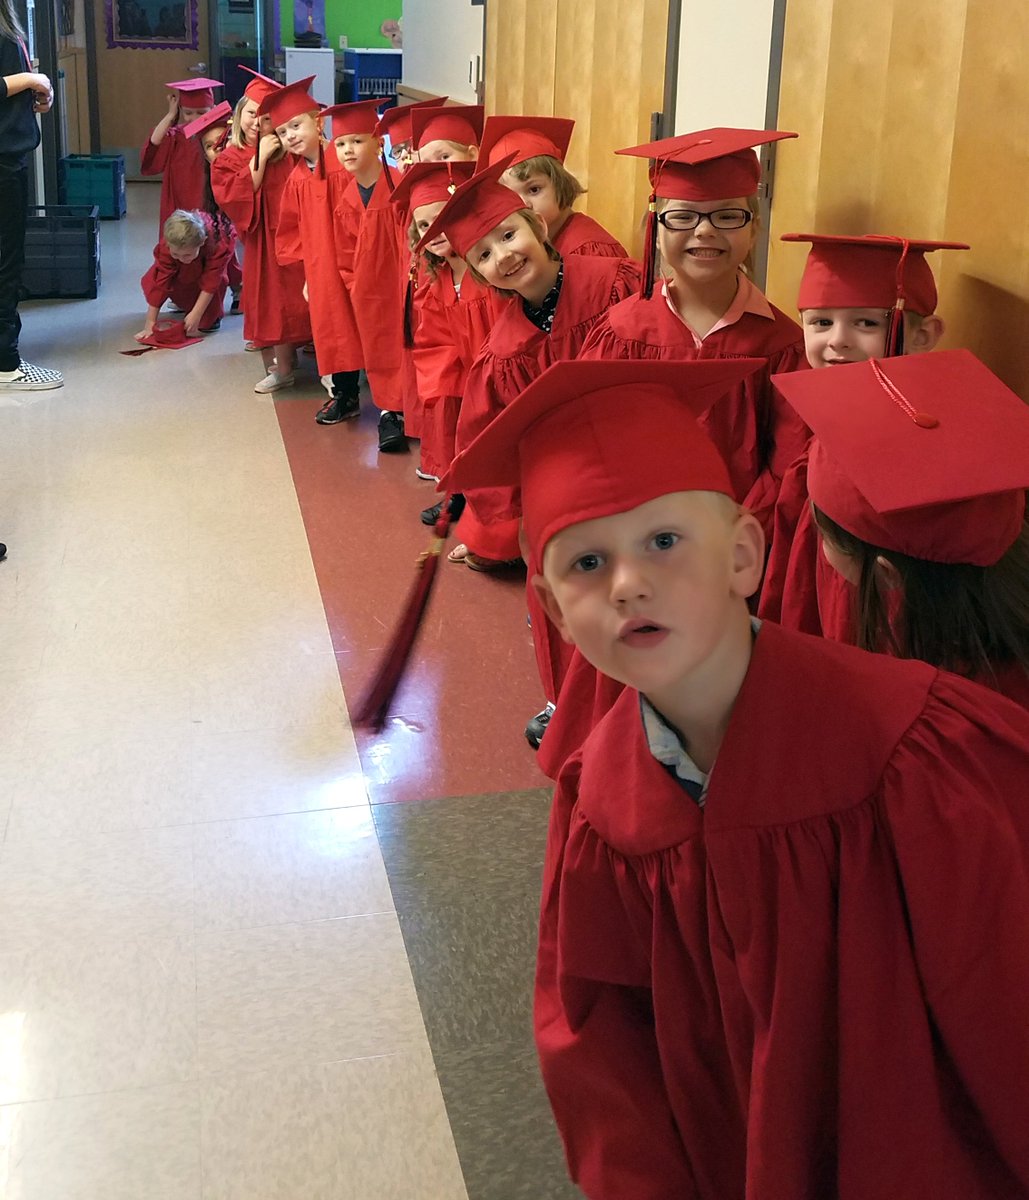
(373, 709)
(895, 331)
(650, 249)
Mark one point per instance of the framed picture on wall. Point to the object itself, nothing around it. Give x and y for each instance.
(151, 24)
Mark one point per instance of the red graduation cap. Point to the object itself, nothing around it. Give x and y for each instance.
(461, 123)
(477, 206)
(221, 114)
(260, 86)
(289, 102)
(874, 271)
(195, 93)
(525, 137)
(927, 454)
(360, 116)
(396, 122)
(589, 439)
(429, 183)
(708, 165)
(169, 335)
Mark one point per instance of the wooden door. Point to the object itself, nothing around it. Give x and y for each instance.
(601, 62)
(130, 79)
(914, 119)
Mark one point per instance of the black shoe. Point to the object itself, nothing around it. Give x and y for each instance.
(338, 408)
(391, 433)
(3, 552)
(212, 328)
(537, 727)
(431, 515)
(236, 298)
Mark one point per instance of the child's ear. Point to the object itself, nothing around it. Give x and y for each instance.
(748, 555)
(543, 227)
(473, 153)
(546, 597)
(926, 336)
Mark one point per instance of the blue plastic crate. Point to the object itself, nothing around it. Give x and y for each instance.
(375, 72)
(94, 179)
(62, 253)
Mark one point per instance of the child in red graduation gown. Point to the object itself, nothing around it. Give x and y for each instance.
(369, 256)
(539, 175)
(704, 200)
(924, 515)
(170, 152)
(433, 318)
(190, 269)
(786, 889)
(306, 235)
(860, 297)
(248, 179)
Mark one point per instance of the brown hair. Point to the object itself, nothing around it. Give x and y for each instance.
(963, 618)
(536, 225)
(567, 189)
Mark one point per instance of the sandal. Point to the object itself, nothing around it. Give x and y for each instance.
(458, 554)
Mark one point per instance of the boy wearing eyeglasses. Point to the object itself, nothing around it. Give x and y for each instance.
(701, 305)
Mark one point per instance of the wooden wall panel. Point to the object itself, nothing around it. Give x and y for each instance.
(914, 119)
(601, 62)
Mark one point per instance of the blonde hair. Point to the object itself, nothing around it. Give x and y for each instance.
(184, 230)
(567, 189)
(236, 125)
(535, 223)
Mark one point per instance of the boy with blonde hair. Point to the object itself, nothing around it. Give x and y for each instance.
(190, 268)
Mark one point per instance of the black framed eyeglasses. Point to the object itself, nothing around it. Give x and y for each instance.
(682, 220)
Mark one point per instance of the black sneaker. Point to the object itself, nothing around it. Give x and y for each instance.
(431, 515)
(537, 727)
(391, 433)
(236, 299)
(338, 408)
(3, 552)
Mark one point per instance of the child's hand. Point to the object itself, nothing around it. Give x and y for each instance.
(145, 332)
(267, 146)
(173, 106)
(191, 323)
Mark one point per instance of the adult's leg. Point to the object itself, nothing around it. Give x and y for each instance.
(14, 199)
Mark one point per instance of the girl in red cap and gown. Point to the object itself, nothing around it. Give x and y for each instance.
(860, 297)
(248, 179)
(916, 481)
(171, 153)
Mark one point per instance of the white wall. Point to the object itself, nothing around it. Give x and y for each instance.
(723, 64)
(440, 38)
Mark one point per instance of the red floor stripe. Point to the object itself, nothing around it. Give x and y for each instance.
(473, 684)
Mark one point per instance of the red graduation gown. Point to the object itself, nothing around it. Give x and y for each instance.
(516, 353)
(815, 986)
(451, 329)
(180, 162)
(182, 282)
(305, 235)
(274, 309)
(580, 234)
(376, 286)
(757, 432)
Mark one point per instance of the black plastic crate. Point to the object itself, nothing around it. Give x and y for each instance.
(98, 179)
(62, 253)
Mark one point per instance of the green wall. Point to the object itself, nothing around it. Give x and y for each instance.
(358, 19)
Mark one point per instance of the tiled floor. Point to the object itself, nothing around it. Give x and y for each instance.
(232, 967)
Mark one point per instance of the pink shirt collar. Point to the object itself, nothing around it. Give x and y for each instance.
(748, 299)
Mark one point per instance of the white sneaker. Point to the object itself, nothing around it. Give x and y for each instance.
(273, 382)
(28, 378)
